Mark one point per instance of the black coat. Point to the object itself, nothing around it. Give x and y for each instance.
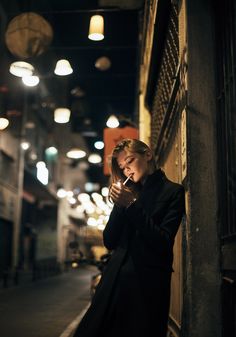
(133, 296)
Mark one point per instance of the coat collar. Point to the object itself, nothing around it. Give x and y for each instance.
(154, 178)
(151, 189)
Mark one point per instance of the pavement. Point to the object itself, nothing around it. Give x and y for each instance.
(51, 307)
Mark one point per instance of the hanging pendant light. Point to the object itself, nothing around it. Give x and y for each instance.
(76, 153)
(61, 115)
(112, 122)
(103, 63)
(96, 28)
(30, 81)
(42, 172)
(94, 158)
(28, 35)
(25, 145)
(63, 68)
(99, 145)
(4, 122)
(21, 69)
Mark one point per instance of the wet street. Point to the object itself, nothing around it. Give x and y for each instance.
(46, 308)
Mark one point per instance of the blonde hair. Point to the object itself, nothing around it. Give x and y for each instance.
(132, 145)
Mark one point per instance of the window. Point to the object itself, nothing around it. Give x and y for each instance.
(226, 118)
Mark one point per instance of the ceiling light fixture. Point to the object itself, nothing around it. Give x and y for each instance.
(51, 153)
(25, 145)
(76, 154)
(28, 34)
(42, 172)
(103, 63)
(61, 193)
(112, 122)
(30, 81)
(21, 69)
(96, 28)
(63, 68)
(94, 158)
(4, 122)
(51, 150)
(99, 145)
(61, 115)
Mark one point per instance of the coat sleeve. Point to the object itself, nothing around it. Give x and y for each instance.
(162, 226)
(114, 228)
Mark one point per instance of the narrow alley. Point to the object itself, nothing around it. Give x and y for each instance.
(45, 308)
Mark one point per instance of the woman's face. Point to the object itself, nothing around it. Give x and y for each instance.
(135, 164)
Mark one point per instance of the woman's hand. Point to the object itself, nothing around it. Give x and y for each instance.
(121, 195)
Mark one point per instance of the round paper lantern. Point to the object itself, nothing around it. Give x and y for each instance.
(28, 34)
(103, 63)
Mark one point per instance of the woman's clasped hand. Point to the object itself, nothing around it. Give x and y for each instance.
(121, 195)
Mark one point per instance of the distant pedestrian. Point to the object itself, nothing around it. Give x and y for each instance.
(133, 296)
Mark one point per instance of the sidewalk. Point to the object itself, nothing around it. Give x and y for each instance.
(22, 278)
(50, 307)
(13, 279)
(41, 270)
(69, 331)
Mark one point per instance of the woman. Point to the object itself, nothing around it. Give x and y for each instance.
(133, 296)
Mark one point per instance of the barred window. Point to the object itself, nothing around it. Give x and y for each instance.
(163, 83)
(226, 116)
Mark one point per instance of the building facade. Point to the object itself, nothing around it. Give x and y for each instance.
(188, 102)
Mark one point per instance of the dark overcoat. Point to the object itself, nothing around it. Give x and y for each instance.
(133, 296)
